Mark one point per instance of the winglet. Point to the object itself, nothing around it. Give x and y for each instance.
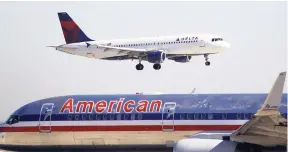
(273, 100)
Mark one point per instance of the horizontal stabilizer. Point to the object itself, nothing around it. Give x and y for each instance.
(52, 46)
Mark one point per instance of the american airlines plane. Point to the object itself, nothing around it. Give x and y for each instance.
(152, 49)
(150, 120)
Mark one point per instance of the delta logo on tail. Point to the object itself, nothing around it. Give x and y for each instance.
(102, 105)
(71, 31)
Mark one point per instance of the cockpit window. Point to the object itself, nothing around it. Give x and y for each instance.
(13, 119)
(216, 39)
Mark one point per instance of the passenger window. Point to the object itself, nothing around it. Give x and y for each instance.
(104, 117)
(119, 116)
(98, 117)
(196, 116)
(76, 117)
(69, 117)
(203, 116)
(90, 117)
(224, 116)
(132, 116)
(210, 116)
(189, 116)
(111, 117)
(238, 115)
(246, 116)
(182, 116)
(140, 116)
(126, 116)
(84, 117)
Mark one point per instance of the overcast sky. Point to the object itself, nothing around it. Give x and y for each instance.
(31, 71)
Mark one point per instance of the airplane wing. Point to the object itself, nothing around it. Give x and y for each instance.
(267, 127)
(120, 50)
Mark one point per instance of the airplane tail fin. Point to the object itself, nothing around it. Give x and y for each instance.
(71, 31)
(273, 100)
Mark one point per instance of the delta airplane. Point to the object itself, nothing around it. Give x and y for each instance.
(149, 120)
(152, 49)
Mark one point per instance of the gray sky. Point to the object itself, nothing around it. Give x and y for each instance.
(31, 71)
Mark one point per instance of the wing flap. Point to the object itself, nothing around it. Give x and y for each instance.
(111, 48)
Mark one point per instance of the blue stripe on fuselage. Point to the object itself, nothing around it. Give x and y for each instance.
(142, 116)
(229, 104)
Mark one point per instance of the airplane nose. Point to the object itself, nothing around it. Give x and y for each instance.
(226, 45)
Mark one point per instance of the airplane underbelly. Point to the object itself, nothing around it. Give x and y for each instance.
(96, 133)
(100, 138)
(195, 50)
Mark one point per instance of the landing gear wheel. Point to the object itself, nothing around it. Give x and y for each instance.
(157, 66)
(139, 66)
(207, 63)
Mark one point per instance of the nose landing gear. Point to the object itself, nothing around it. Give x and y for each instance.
(207, 63)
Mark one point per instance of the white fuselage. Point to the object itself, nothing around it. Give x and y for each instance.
(186, 44)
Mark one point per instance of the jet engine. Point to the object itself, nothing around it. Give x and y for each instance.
(204, 145)
(218, 145)
(156, 56)
(182, 59)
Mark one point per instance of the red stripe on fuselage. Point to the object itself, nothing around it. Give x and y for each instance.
(121, 128)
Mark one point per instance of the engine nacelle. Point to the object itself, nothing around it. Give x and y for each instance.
(204, 145)
(182, 59)
(218, 145)
(156, 57)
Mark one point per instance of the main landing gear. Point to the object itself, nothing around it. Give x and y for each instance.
(207, 63)
(157, 66)
(139, 66)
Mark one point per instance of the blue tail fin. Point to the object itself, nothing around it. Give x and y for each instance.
(72, 32)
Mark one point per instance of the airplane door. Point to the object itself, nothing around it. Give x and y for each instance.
(45, 117)
(202, 43)
(168, 116)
